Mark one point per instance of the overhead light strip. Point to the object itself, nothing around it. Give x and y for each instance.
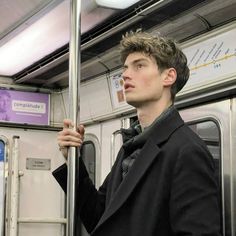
(114, 4)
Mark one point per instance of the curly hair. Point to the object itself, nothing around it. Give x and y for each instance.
(164, 50)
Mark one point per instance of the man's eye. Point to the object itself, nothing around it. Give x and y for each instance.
(139, 66)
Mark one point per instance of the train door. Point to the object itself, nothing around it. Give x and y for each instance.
(103, 136)
(38, 201)
(91, 156)
(96, 153)
(212, 123)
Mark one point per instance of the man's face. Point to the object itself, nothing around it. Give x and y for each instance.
(4, 103)
(142, 80)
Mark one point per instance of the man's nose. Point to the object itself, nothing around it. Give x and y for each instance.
(126, 75)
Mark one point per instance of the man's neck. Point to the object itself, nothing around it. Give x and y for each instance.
(148, 113)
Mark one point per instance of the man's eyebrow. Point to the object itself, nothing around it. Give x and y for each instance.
(139, 60)
(136, 61)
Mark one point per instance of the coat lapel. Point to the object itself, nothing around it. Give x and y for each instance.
(147, 155)
(160, 133)
(115, 176)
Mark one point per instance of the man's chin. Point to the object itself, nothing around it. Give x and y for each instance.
(133, 103)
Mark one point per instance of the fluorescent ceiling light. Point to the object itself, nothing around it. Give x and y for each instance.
(116, 4)
(46, 35)
(35, 42)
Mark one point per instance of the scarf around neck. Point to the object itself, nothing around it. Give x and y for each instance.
(134, 139)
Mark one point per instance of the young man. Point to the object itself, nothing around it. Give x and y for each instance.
(163, 181)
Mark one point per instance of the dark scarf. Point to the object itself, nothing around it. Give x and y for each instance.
(134, 139)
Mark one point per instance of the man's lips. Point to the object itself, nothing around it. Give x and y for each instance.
(128, 85)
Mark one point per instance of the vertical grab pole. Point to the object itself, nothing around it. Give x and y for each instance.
(74, 87)
(13, 218)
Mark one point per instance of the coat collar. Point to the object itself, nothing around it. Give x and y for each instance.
(163, 130)
(158, 135)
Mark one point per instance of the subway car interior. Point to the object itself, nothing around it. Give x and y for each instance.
(35, 49)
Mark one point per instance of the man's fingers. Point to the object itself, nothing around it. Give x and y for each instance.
(81, 130)
(69, 138)
(66, 144)
(67, 123)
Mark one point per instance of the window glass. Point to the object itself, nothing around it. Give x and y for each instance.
(88, 154)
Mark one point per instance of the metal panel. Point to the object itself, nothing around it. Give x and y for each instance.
(98, 98)
(41, 199)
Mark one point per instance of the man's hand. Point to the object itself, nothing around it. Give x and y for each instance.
(69, 137)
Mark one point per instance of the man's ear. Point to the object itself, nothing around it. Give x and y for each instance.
(170, 76)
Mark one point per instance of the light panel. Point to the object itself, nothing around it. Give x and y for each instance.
(116, 4)
(35, 42)
(46, 35)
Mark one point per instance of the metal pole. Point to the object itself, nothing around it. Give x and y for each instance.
(14, 187)
(74, 82)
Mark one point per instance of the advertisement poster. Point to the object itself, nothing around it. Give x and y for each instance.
(117, 93)
(24, 107)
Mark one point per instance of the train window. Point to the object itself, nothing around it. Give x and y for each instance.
(88, 154)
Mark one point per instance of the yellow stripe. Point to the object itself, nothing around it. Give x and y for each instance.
(209, 63)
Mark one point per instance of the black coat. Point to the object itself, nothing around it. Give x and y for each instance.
(171, 189)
